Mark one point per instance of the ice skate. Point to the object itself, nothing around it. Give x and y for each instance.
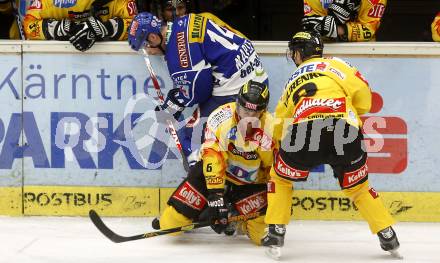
(389, 242)
(274, 240)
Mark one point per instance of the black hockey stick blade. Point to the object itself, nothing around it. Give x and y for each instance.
(97, 221)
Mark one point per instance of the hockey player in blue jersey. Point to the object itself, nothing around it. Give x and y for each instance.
(207, 62)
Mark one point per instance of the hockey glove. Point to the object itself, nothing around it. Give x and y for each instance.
(82, 38)
(57, 29)
(324, 25)
(342, 10)
(105, 30)
(217, 210)
(172, 105)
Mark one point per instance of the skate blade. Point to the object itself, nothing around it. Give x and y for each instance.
(274, 252)
(395, 254)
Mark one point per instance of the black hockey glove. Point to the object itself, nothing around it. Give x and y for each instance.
(82, 37)
(57, 29)
(217, 210)
(324, 25)
(105, 30)
(342, 10)
(172, 105)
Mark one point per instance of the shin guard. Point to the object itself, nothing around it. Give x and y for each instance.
(370, 206)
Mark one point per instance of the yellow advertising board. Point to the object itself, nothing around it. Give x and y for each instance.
(135, 201)
(334, 205)
(78, 200)
(11, 201)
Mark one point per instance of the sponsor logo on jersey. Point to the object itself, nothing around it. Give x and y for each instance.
(131, 8)
(321, 66)
(182, 50)
(188, 195)
(238, 173)
(252, 204)
(309, 106)
(355, 177)
(307, 9)
(213, 180)
(35, 5)
(197, 25)
(376, 11)
(64, 3)
(271, 187)
(220, 116)
(373, 193)
(34, 29)
(288, 172)
(264, 140)
(232, 133)
(337, 73)
(307, 68)
(245, 155)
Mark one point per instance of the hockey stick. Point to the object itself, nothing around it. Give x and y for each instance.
(161, 101)
(97, 221)
(16, 13)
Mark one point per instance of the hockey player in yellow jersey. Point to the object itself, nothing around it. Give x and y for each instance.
(435, 28)
(320, 106)
(82, 22)
(344, 20)
(231, 177)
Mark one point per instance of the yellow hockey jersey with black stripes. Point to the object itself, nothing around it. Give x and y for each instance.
(229, 155)
(341, 92)
(435, 28)
(363, 27)
(75, 10)
(221, 23)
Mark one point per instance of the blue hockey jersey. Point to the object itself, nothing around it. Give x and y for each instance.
(205, 59)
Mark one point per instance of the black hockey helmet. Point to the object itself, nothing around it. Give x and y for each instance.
(253, 96)
(308, 43)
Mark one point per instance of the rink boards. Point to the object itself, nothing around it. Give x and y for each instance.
(112, 201)
(70, 139)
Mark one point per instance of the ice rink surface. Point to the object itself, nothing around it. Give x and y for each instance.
(76, 240)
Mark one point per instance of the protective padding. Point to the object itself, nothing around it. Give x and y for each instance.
(279, 199)
(170, 218)
(370, 206)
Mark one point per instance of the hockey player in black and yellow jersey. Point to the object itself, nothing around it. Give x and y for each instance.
(82, 22)
(231, 177)
(321, 105)
(344, 20)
